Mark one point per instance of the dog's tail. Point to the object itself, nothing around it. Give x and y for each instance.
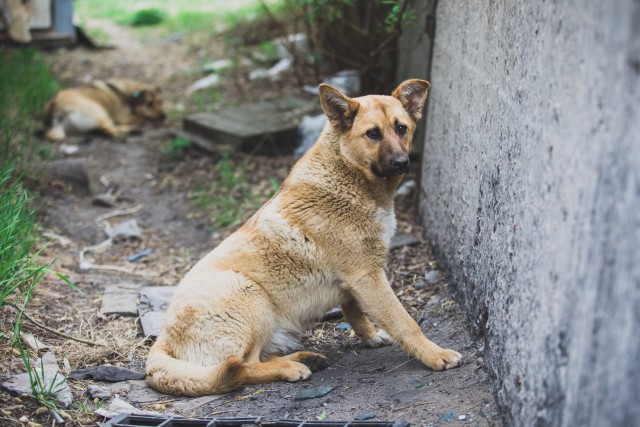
(177, 377)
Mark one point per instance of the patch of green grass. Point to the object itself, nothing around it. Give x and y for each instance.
(26, 85)
(185, 17)
(147, 17)
(229, 199)
(175, 148)
(207, 99)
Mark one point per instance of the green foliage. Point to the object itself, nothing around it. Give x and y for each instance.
(175, 148)
(147, 17)
(26, 84)
(229, 199)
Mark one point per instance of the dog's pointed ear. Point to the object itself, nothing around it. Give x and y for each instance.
(339, 108)
(412, 94)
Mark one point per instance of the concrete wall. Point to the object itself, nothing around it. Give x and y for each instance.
(531, 198)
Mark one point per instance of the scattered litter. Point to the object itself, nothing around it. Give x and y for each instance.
(402, 239)
(139, 255)
(448, 416)
(50, 377)
(108, 198)
(462, 417)
(367, 414)
(419, 386)
(186, 406)
(106, 373)
(64, 241)
(33, 342)
(309, 130)
(217, 65)
(343, 325)
(333, 314)
(119, 406)
(69, 149)
(99, 392)
(406, 188)
(124, 231)
(348, 81)
(274, 72)
(291, 45)
(66, 366)
(121, 299)
(432, 277)
(313, 393)
(203, 83)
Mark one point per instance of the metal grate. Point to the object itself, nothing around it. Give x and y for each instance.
(126, 420)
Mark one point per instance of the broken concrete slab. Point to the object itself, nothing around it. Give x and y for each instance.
(151, 322)
(119, 406)
(50, 378)
(268, 127)
(121, 299)
(401, 239)
(106, 373)
(99, 392)
(186, 406)
(156, 298)
(154, 301)
(141, 393)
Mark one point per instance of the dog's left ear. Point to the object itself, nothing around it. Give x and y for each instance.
(339, 108)
(412, 94)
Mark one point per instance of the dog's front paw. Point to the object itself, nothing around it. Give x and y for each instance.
(380, 339)
(444, 359)
(296, 372)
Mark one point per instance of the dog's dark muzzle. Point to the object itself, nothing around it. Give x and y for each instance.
(397, 165)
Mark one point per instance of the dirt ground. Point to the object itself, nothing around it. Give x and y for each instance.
(179, 231)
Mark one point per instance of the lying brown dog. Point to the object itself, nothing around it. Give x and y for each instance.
(322, 240)
(114, 107)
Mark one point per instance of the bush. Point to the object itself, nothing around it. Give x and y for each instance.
(147, 17)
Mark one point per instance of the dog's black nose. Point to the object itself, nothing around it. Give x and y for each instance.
(400, 163)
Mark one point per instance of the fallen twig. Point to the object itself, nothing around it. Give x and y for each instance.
(53, 331)
(400, 365)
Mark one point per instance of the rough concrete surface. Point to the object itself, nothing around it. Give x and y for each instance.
(531, 198)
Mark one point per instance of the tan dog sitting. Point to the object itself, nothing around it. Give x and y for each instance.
(114, 107)
(322, 240)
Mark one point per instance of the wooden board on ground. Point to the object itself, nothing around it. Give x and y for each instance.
(268, 127)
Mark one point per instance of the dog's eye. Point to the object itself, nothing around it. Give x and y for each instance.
(374, 134)
(401, 129)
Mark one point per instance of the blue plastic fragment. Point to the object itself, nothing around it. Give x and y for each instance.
(139, 255)
(367, 414)
(449, 416)
(343, 325)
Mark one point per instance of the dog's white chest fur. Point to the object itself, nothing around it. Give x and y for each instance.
(386, 217)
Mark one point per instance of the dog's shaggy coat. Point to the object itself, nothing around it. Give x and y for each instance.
(322, 240)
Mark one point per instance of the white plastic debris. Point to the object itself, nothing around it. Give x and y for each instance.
(348, 81)
(293, 43)
(309, 130)
(206, 82)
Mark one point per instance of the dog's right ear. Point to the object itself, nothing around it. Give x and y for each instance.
(339, 108)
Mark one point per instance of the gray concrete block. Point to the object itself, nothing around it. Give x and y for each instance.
(268, 127)
(531, 196)
(121, 299)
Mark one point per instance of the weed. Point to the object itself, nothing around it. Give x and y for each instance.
(175, 148)
(26, 84)
(147, 17)
(230, 199)
(207, 99)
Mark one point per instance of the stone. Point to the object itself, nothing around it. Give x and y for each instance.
(106, 373)
(268, 127)
(99, 392)
(151, 322)
(121, 300)
(432, 277)
(50, 377)
(401, 239)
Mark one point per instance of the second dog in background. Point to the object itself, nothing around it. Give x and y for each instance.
(114, 107)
